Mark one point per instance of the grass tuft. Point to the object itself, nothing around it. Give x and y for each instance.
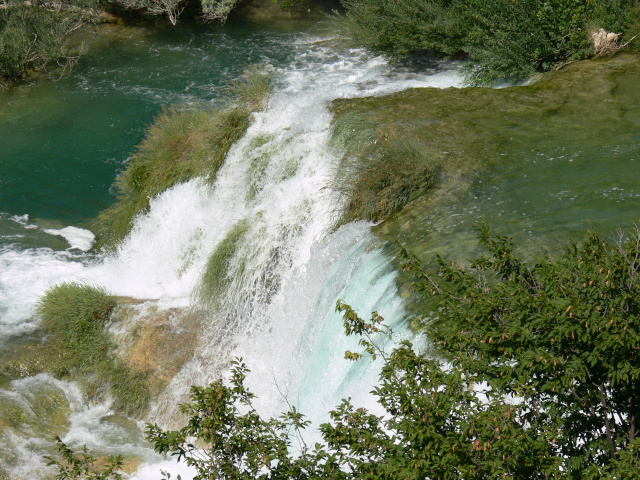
(252, 87)
(75, 316)
(181, 144)
(379, 173)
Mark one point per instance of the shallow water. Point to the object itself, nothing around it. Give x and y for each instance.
(556, 163)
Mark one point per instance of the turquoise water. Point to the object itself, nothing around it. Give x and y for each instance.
(63, 140)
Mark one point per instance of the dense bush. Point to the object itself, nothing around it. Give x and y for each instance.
(400, 27)
(34, 35)
(501, 38)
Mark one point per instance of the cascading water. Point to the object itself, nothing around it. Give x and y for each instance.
(282, 281)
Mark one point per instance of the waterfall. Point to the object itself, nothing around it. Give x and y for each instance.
(288, 266)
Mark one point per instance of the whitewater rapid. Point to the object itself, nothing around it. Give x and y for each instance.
(289, 269)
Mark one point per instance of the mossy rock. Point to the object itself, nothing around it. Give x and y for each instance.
(40, 410)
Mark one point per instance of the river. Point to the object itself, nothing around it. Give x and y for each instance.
(63, 142)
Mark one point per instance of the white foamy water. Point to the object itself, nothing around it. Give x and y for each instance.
(78, 238)
(288, 270)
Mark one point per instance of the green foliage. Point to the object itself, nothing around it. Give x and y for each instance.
(78, 310)
(501, 39)
(538, 378)
(75, 316)
(235, 442)
(83, 465)
(400, 27)
(561, 335)
(215, 279)
(252, 87)
(383, 181)
(35, 35)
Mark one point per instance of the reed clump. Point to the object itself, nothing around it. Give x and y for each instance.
(75, 316)
(184, 142)
(381, 183)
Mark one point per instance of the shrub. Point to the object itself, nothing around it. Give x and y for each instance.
(32, 35)
(400, 27)
(501, 39)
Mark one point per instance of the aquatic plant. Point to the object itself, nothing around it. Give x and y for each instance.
(216, 278)
(75, 316)
(382, 181)
(381, 170)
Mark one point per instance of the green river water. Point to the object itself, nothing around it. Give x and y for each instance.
(63, 139)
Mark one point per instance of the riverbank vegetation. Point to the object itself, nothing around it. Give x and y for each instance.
(501, 39)
(182, 143)
(36, 34)
(533, 373)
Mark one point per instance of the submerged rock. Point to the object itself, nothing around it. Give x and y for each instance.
(153, 341)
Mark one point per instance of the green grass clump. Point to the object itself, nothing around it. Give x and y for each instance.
(252, 87)
(382, 169)
(215, 279)
(380, 183)
(75, 316)
(182, 143)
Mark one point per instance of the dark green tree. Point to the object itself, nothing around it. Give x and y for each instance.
(561, 335)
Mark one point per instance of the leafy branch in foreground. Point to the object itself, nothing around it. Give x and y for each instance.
(561, 335)
(537, 378)
(82, 465)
